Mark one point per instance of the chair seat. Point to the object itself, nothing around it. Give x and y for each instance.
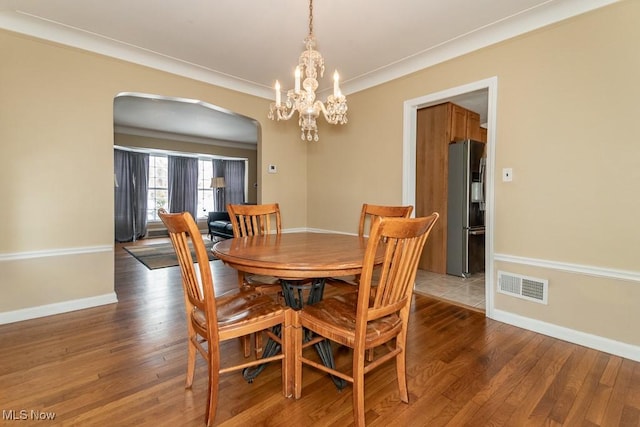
(349, 280)
(342, 283)
(238, 306)
(261, 279)
(267, 285)
(335, 317)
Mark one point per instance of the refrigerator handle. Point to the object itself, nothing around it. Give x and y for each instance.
(483, 166)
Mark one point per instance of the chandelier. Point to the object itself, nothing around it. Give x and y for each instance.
(304, 101)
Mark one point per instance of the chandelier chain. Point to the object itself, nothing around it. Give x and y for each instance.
(310, 17)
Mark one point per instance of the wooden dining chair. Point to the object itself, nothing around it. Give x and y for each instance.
(368, 214)
(256, 220)
(213, 319)
(361, 321)
(371, 212)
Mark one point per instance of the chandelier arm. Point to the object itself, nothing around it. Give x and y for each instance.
(337, 111)
(325, 113)
(287, 114)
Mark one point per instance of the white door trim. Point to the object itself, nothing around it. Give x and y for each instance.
(411, 107)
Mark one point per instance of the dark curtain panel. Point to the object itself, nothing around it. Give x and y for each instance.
(219, 204)
(140, 167)
(132, 182)
(234, 181)
(123, 196)
(183, 184)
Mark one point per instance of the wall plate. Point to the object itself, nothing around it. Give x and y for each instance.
(507, 174)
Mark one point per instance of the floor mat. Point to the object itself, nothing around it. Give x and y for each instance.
(161, 255)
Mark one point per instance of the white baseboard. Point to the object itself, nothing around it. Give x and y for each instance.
(320, 230)
(56, 308)
(607, 345)
(296, 230)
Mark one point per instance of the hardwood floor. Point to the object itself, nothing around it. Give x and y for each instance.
(124, 364)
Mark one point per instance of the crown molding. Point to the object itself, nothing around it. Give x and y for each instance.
(35, 27)
(529, 20)
(510, 27)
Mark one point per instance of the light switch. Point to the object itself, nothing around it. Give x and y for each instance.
(507, 174)
(273, 169)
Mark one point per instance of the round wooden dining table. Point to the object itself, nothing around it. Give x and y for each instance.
(303, 261)
(295, 256)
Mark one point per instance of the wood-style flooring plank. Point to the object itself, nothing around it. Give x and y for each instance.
(125, 364)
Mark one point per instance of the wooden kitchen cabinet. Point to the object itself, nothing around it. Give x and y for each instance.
(465, 124)
(483, 136)
(437, 126)
(458, 122)
(473, 127)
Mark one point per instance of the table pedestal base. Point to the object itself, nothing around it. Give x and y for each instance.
(292, 291)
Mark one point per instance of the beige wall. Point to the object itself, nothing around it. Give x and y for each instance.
(566, 110)
(567, 104)
(56, 166)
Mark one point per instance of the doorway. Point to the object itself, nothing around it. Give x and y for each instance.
(488, 89)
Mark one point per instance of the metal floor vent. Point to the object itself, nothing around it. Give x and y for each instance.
(524, 287)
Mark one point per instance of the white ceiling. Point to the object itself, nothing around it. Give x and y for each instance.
(246, 45)
(182, 119)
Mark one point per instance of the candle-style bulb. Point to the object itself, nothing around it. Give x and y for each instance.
(297, 74)
(336, 86)
(277, 93)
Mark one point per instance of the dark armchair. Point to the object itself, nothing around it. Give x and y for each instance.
(220, 225)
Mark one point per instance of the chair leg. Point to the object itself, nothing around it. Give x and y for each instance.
(358, 390)
(401, 364)
(401, 373)
(297, 362)
(214, 375)
(191, 361)
(258, 344)
(289, 352)
(246, 345)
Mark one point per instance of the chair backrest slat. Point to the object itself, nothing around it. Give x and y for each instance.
(254, 220)
(403, 240)
(197, 285)
(190, 279)
(371, 212)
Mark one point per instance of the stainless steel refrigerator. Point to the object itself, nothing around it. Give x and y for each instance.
(465, 208)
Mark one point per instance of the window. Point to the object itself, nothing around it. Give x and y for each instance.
(205, 192)
(158, 196)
